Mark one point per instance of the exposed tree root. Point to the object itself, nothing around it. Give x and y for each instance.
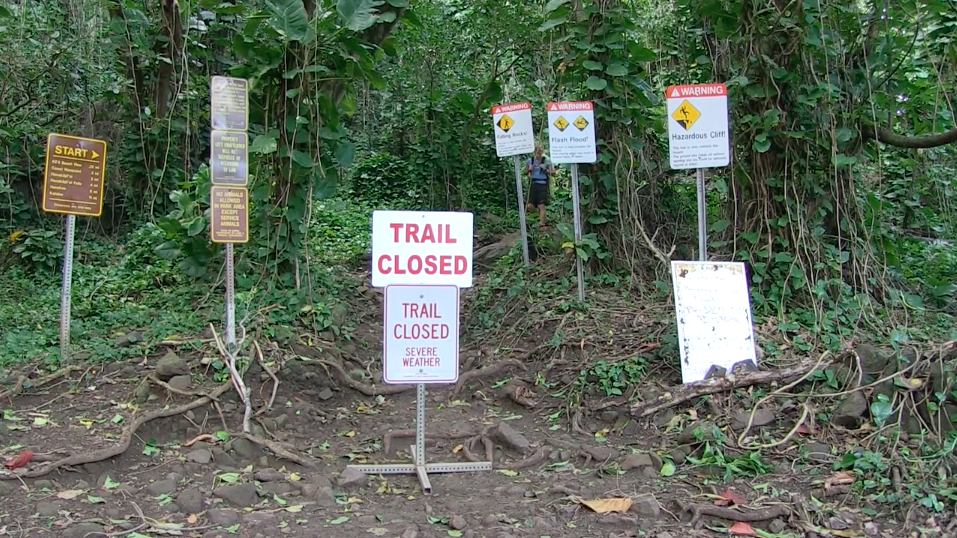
(537, 458)
(124, 441)
(469, 445)
(684, 393)
(472, 375)
(368, 390)
(389, 438)
(733, 514)
(275, 381)
(18, 386)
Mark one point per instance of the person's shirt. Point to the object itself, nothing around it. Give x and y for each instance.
(539, 169)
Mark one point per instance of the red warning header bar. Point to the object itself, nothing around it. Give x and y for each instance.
(501, 109)
(696, 90)
(571, 107)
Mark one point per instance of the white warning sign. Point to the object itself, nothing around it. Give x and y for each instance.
(698, 133)
(513, 129)
(571, 133)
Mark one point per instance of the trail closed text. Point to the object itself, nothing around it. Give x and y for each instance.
(421, 334)
(421, 248)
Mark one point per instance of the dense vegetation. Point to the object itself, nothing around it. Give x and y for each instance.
(838, 197)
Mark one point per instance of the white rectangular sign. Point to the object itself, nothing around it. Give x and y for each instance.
(571, 133)
(514, 133)
(698, 132)
(422, 247)
(714, 316)
(421, 334)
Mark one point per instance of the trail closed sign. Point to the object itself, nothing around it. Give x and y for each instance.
(421, 334)
(698, 133)
(571, 132)
(514, 133)
(422, 247)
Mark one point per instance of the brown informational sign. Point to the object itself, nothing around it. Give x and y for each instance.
(229, 155)
(73, 177)
(229, 100)
(229, 214)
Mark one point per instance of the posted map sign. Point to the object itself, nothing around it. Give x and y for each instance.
(514, 133)
(422, 247)
(571, 133)
(698, 132)
(714, 316)
(421, 334)
(73, 176)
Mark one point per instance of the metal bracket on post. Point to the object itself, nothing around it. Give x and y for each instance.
(418, 466)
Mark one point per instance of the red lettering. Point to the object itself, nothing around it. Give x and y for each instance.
(448, 235)
(415, 265)
(461, 265)
(395, 230)
(428, 236)
(421, 331)
(446, 265)
(382, 268)
(411, 233)
(430, 267)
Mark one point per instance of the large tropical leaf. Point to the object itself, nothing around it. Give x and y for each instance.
(357, 15)
(289, 19)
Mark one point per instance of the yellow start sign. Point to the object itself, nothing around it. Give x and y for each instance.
(561, 123)
(506, 123)
(686, 115)
(581, 123)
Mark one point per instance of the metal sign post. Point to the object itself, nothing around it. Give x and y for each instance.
(229, 174)
(699, 138)
(519, 189)
(577, 218)
(67, 288)
(514, 136)
(572, 140)
(72, 185)
(421, 321)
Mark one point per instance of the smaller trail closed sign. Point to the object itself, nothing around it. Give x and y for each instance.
(421, 334)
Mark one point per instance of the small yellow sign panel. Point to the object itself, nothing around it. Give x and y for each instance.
(561, 123)
(505, 123)
(581, 123)
(686, 115)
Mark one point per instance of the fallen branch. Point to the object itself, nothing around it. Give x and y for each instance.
(245, 394)
(124, 441)
(471, 375)
(684, 393)
(733, 514)
(277, 449)
(275, 380)
(18, 386)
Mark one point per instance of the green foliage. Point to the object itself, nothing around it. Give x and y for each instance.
(38, 250)
(387, 180)
(341, 232)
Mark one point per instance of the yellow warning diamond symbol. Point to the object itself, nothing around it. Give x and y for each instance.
(686, 115)
(505, 123)
(561, 123)
(581, 123)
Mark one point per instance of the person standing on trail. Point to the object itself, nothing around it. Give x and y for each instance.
(539, 169)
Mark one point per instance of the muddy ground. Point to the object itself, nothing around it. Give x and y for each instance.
(184, 476)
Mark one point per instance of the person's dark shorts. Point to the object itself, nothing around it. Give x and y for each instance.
(539, 194)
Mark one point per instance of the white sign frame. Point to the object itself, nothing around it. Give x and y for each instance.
(442, 300)
(704, 338)
(706, 143)
(519, 137)
(421, 257)
(574, 144)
